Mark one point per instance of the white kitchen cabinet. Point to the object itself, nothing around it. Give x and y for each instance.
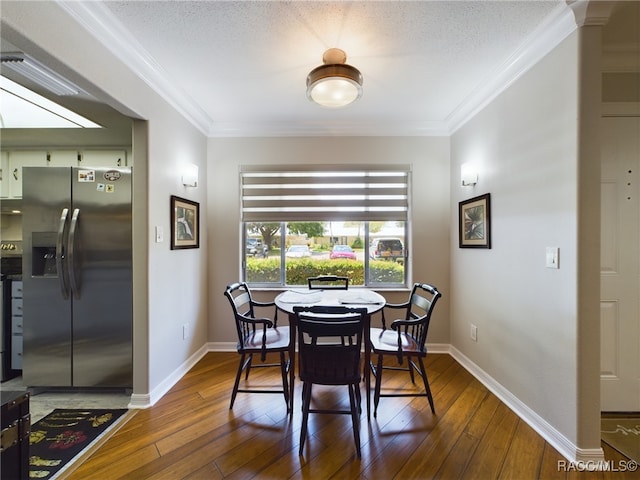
(18, 160)
(103, 158)
(62, 158)
(4, 174)
(14, 161)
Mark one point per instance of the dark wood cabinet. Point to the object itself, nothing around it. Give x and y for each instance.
(14, 443)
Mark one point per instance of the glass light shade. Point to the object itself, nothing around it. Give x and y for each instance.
(190, 175)
(334, 85)
(468, 175)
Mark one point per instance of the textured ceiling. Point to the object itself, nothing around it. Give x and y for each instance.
(239, 67)
(245, 63)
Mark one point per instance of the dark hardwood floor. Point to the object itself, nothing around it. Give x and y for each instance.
(191, 434)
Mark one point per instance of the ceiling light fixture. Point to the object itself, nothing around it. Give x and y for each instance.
(38, 73)
(24, 108)
(334, 84)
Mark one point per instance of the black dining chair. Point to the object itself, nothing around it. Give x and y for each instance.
(329, 349)
(405, 339)
(328, 282)
(257, 336)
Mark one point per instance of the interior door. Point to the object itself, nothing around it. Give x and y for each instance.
(620, 265)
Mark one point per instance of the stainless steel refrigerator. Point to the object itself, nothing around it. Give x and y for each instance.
(77, 277)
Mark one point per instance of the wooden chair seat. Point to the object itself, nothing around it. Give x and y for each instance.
(386, 342)
(277, 339)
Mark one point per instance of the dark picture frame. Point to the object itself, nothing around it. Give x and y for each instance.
(474, 222)
(185, 223)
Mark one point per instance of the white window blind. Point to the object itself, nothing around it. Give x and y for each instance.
(324, 192)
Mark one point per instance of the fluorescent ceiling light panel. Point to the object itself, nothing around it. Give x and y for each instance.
(38, 73)
(22, 108)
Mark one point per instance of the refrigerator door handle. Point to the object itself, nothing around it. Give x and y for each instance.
(60, 254)
(73, 277)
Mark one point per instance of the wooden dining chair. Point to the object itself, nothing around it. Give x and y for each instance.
(257, 336)
(329, 345)
(328, 282)
(405, 339)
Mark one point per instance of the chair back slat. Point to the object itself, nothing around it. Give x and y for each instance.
(421, 303)
(329, 343)
(328, 282)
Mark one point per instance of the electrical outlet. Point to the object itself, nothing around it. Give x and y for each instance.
(474, 333)
(185, 331)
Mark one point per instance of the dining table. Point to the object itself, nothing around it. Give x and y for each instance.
(356, 297)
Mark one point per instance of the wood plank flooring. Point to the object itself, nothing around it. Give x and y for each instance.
(192, 434)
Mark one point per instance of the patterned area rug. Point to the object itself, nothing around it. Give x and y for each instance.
(62, 435)
(623, 434)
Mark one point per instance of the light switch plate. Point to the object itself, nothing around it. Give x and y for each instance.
(159, 234)
(553, 257)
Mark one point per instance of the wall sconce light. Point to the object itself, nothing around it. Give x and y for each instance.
(468, 174)
(190, 175)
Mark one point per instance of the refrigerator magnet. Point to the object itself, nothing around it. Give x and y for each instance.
(86, 175)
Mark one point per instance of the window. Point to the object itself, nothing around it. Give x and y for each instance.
(304, 221)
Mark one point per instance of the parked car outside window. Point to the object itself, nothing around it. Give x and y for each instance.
(254, 247)
(342, 251)
(387, 249)
(298, 251)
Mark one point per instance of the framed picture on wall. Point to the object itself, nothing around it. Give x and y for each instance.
(185, 223)
(474, 222)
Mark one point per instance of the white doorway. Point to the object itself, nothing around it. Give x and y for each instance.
(620, 265)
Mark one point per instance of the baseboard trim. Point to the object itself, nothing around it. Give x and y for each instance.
(150, 399)
(556, 439)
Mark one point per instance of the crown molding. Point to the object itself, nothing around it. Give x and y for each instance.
(351, 129)
(558, 26)
(98, 20)
(591, 13)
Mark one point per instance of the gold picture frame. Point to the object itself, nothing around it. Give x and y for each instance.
(185, 223)
(474, 222)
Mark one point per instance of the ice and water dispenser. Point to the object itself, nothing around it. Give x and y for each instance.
(43, 250)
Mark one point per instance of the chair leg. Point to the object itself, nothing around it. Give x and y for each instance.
(423, 373)
(237, 382)
(285, 381)
(410, 368)
(376, 395)
(355, 417)
(248, 366)
(306, 400)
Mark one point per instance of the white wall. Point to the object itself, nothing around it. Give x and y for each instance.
(525, 144)
(429, 247)
(170, 286)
